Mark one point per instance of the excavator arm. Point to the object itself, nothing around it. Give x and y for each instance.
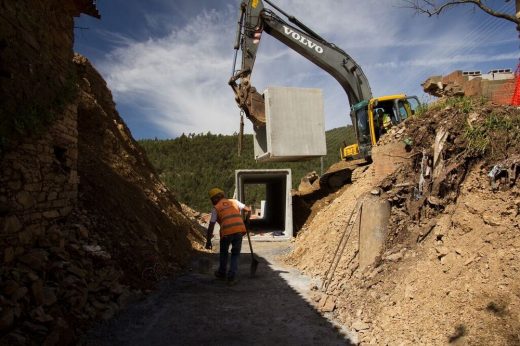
(255, 19)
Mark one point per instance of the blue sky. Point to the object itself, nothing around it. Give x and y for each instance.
(167, 62)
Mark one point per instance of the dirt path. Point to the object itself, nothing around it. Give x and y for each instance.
(197, 309)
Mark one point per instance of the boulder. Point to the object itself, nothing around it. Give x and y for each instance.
(360, 325)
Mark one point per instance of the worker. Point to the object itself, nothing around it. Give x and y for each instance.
(378, 124)
(228, 213)
(384, 120)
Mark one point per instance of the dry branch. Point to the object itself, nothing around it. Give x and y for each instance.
(432, 8)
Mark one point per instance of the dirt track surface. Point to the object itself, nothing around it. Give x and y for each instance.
(197, 309)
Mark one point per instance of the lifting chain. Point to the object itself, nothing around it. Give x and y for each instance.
(241, 134)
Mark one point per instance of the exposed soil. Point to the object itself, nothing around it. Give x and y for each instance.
(449, 270)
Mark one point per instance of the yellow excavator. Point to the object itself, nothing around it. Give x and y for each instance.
(370, 116)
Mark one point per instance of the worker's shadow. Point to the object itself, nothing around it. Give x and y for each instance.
(266, 308)
(197, 308)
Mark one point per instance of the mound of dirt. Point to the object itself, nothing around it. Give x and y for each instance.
(448, 272)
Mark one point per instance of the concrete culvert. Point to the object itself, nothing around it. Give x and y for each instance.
(269, 193)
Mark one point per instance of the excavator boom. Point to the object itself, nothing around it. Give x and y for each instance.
(256, 19)
(368, 124)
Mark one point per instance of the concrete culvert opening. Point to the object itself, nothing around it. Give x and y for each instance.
(268, 192)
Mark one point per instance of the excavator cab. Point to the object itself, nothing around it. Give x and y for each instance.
(372, 118)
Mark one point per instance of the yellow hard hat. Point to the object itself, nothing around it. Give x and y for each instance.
(215, 191)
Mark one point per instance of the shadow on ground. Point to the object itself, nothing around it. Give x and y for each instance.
(198, 309)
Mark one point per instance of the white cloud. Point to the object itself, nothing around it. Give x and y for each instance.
(181, 79)
(442, 61)
(179, 82)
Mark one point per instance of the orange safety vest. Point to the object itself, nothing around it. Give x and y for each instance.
(229, 218)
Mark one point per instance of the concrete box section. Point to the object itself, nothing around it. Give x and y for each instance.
(295, 129)
(275, 222)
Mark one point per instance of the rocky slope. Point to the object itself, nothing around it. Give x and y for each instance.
(126, 232)
(449, 271)
(137, 215)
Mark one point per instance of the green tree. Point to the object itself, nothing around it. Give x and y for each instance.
(191, 165)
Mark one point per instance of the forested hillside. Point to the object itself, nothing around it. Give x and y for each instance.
(192, 164)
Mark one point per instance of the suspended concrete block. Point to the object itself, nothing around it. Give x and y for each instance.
(295, 126)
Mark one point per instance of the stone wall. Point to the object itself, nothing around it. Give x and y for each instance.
(39, 180)
(69, 250)
(38, 167)
(38, 156)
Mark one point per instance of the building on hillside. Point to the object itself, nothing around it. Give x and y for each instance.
(498, 74)
(497, 85)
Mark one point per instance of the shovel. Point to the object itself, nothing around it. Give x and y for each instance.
(254, 261)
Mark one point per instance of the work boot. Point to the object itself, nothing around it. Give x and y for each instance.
(219, 275)
(232, 281)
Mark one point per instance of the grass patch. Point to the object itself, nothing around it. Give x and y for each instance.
(493, 134)
(461, 103)
(421, 110)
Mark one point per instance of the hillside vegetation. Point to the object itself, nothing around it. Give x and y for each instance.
(192, 164)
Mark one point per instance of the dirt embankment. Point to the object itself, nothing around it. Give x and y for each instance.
(449, 271)
(138, 218)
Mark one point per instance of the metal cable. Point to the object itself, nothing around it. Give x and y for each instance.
(341, 247)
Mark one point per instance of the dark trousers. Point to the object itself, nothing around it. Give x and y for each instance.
(235, 241)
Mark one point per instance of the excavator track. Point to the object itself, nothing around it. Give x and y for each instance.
(340, 174)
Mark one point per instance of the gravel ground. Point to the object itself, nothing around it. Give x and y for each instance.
(196, 309)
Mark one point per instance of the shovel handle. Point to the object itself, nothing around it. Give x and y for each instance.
(246, 216)
(250, 246)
